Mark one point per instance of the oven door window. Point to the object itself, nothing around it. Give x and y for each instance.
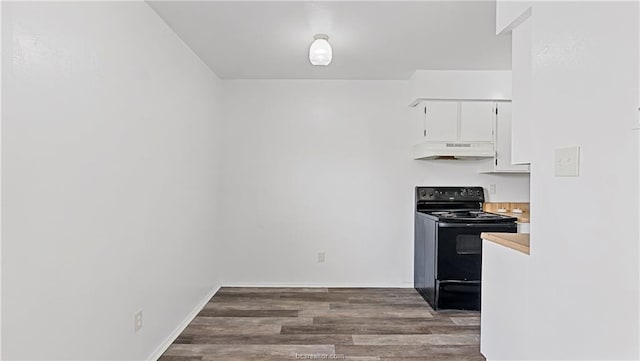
(468, 245)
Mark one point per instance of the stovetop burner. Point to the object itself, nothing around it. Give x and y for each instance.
(463, 215)
(456, 205)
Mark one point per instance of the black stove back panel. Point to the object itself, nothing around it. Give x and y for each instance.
(449, 194)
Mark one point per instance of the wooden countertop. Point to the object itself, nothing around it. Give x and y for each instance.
(517, 241)
(522, 217)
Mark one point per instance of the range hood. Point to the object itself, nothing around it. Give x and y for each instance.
(453, 150)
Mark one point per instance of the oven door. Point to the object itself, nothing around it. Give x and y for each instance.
(459, 249)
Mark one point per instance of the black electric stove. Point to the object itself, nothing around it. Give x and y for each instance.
(448, 247)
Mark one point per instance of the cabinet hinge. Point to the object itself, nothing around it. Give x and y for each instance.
(425, 110)
(496, 161)
(496, 110)
(425, 132)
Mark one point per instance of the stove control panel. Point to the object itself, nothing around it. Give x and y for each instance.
(445, 194)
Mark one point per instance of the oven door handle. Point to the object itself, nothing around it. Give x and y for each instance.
(477, 225)
(459, 282)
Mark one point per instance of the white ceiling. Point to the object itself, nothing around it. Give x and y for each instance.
(370, 39)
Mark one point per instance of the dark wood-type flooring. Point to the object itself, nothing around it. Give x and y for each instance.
(364, 324)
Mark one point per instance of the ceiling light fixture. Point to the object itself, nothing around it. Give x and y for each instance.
(320, 52)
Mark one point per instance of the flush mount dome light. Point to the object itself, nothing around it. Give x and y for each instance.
(320, 52)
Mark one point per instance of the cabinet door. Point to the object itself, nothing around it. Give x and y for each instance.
(503, 270)
(418, 124)
(503, 141)
(441, 119)
(476, 121)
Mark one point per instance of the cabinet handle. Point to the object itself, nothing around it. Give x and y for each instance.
(425, 122)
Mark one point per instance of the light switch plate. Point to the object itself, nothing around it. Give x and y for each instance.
(567, 162)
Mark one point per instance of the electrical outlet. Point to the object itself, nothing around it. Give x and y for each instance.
(320, 257)
(492, 189)
(567, 162)
(137, 321)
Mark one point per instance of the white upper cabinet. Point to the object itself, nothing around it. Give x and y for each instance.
(476, 121)
(502, 163)
(460, 117)
(456, 121)
(441, 121)
(503, 138)
(456, 129)
(418, 124)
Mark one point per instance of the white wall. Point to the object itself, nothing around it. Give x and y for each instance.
(581, 299)
(109, 127)
(585, 93)
(460, 84)
(511, 13)
(326, 166)
(522, 120)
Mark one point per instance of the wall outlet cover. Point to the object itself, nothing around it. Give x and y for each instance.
(320, 257)
(567, 162)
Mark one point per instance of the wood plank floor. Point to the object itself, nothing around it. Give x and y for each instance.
(366, 324)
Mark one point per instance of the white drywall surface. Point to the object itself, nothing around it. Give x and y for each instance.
(109, 165)
(326, 166)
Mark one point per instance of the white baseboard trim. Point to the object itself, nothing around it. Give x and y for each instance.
(155, 355)
(322, 285)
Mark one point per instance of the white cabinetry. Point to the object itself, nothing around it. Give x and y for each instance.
(417, 125)
(502, 163)
(504, 297)
(524, 227)
(476, 121)
(456, 129)
(441, 121)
